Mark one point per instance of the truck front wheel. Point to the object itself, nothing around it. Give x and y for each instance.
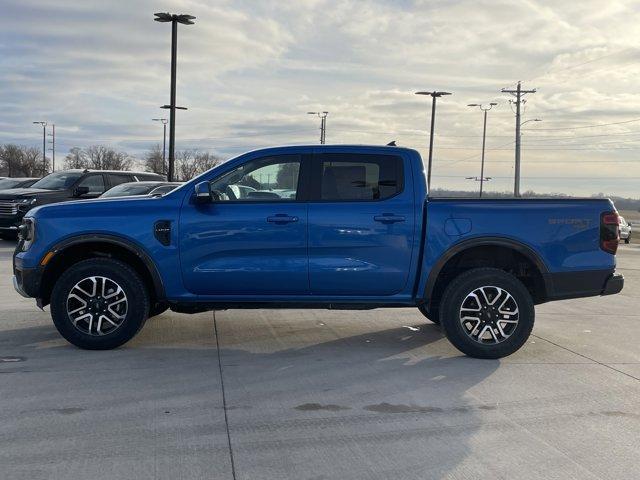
(99, 303)
(487, 313)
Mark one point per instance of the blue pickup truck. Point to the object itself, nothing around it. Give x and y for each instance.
(341, 227)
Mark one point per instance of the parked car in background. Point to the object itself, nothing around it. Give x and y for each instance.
(7, 183)
(625, 230)
(61, 186)
(140, 188)
(339, 227)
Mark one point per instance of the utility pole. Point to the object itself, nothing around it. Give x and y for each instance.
(44, 146)
(174, 19)
(53, 147)
(164, 142)
(323, 124)
(433, 95)
(484, 109)
(518, 93)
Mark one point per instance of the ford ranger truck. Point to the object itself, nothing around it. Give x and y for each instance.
(340, 227)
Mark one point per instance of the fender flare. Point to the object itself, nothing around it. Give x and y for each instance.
(129, 245)
(460, 247)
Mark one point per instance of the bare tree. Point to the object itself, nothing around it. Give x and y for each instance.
(75, 158)
(153, 160)
(98, 157)
(191, 163)
(21, 161)
(185, 165)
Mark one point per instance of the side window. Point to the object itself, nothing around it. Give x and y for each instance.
(118, 178)
(94, 182)
(346, 177)
(264, 179)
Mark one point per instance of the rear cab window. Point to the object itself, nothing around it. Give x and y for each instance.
(357, 177)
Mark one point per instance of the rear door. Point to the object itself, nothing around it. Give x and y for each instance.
(361, 224)
(118, 178)
(253, 239)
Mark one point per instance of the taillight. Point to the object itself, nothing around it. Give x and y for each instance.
(609, 232)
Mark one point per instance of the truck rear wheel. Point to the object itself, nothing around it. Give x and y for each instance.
(487, 313)
(99, 304)
(433, 314)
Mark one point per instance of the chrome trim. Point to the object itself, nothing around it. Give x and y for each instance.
(18, 289)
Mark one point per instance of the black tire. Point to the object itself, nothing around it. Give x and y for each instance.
(462, 286)
(130, 282)
(433, 315)
(627, 240)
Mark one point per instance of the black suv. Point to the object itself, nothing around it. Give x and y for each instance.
(60, 187)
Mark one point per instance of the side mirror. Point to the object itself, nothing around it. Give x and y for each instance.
(203, 192)
(80, 191)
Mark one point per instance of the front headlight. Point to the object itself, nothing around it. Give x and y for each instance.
(26, 204)
(27, 233)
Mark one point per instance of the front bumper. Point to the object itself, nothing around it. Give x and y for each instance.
(27, 281)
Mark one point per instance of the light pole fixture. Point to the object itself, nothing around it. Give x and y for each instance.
(519, 156)
(433, 95)
(485, 108)
(175, 20)
(323, 124)
(44, 146)
(164, 142)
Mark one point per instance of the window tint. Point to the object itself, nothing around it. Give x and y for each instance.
(94, 182)
(264, 179)
(58, 180)
(118, 178)
(360, 177)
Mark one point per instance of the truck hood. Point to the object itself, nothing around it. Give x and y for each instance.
(20, 193)
(90, 207)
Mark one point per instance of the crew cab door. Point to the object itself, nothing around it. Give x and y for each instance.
(252, 240)
(361, 224)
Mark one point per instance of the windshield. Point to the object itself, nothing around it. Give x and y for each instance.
(127, 189)
(57, 181)
(9, 183)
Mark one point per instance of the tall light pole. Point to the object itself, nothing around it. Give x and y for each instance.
(323, 124)
(517, 172)
(485, 109)
(44, 146)
(53, 147)
(164, 142)
(175, 20)
(433, 95)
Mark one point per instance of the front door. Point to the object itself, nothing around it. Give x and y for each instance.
(253, 239)
(361, 225)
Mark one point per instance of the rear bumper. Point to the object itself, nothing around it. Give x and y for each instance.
(588, 283)
(614, 284)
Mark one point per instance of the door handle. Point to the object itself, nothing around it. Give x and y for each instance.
(388, 218)
(281, 218)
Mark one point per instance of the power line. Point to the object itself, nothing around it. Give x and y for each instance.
(583, 126)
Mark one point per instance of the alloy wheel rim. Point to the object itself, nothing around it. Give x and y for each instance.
(97, 305)
(489, 315)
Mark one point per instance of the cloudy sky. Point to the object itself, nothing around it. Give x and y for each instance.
(250, 70)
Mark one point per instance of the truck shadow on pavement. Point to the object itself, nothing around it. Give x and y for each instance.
(394, 403)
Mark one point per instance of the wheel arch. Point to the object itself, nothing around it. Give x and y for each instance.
(77, 248)
(485, 249)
